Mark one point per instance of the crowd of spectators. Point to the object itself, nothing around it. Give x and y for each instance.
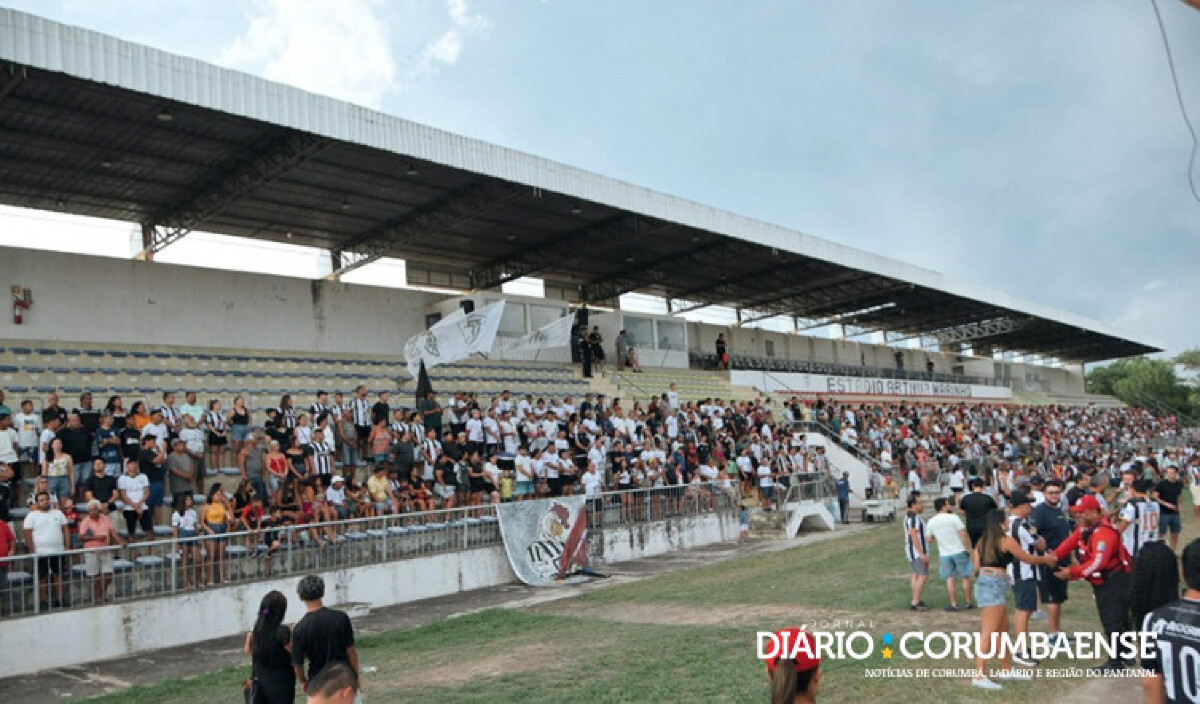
(917, 441)
(360, 455)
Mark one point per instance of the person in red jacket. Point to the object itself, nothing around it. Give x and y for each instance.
(1103, 561)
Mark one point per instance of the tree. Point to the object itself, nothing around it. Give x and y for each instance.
(1141, 381)
(1189, 359)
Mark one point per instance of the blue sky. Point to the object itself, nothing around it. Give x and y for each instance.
(1029, 146)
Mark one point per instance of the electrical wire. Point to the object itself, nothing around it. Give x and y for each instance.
(1191, 166)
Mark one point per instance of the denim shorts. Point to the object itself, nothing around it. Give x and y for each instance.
(1168, 523)
(59, 486)
(958, 565)
(239, 433)
(991, 590)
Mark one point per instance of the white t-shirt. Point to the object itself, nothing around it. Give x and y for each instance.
(596, 456)
(914, 480)
(944, 528)
(9, 442)
(957, 480)
(159, 431)
(491, 431)
(46, 438)
(185, 521)
(193, 438)
(135, 488)
(672, 423)
(591, 483)
(475, 430)
(764, 476)
(28, 426)
(47, 530)
(336, 496)
(673, 399)
(745, 466)
(524, 466)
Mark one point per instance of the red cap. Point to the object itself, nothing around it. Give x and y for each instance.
(1086, 503)
(807, 657)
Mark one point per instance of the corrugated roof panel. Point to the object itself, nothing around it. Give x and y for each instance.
(37, 42)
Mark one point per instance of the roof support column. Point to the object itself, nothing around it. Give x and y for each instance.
(335, 265)
(147, 253)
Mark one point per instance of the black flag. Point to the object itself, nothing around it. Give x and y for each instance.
(423, 384)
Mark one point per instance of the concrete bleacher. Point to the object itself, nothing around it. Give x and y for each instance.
(34, 369)
(691, 384)
(1084, 400)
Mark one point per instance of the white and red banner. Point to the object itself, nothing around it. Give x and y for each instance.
(546, 540)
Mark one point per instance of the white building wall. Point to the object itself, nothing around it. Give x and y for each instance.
(98, 299)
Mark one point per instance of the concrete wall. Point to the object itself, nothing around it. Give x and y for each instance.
(117, 630)
(100, 299)
(661, 537)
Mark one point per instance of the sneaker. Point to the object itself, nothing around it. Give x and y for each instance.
(1024, 660)
(1038, 616)
(1014, 676)
(951, 609)
(969, 606)
(985, 684)
(922, 603)
(918, 607)
(1061, 639)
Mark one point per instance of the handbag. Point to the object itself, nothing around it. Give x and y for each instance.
(250, 690)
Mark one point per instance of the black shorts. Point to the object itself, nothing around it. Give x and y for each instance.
(1025, 594)
(218, 440)
(974, 534)
(1052, 589)
(146, 521)
(363, 432)
(50, 564)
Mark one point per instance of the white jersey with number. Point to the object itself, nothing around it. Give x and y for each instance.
(1143, 516)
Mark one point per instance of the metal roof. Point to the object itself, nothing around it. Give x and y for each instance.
(92, 125)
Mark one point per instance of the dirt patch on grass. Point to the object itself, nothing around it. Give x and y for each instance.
(715, 615)
(529, 657)
(736, 615)
(1104, 689)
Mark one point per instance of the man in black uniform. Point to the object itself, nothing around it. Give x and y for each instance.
(1176, 666)
(1051, 521)
(975, 507)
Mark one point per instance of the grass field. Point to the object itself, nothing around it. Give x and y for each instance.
(687, 636)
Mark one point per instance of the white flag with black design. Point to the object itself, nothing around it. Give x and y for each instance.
(457, 337)
(554, 334)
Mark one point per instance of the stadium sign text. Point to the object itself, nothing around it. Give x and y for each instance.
(819, 384)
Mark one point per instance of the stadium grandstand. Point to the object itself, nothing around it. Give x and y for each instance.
(95, 126)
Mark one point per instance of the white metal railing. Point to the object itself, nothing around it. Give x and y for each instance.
(155, 568)
(167, 566)
(644, 505)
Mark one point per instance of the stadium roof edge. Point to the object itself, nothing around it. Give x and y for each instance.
(84, 54)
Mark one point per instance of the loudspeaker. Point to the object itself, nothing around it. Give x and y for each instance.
(432, 319)
(468, 306)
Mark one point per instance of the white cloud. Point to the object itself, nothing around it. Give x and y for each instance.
(337, 50)
(448, 46)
